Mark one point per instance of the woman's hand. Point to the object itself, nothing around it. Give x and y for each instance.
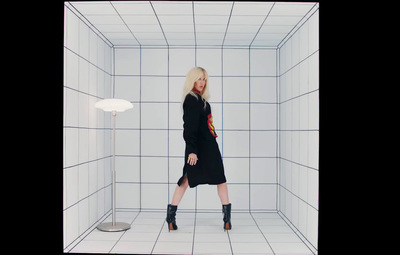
(192, 160)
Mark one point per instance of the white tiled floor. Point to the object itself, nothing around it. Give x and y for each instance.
(198, 233)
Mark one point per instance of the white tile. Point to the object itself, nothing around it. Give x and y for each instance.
(176, 236)
(295, 48)
(235, 89)
(236, 170)
(215, 89)
(251, 8)
(313, 110)
(127, 142)
(154, 169)
(72, 182)
(175, 116)
(97, 235)
(93, 247)
(282, 237)
(263, 89)
(127, 169)
(83, 73)
(127, 61)
(270, 222)
(71, 146)
(72, 33)
(253, 248)
(263, 116)
(210, 59)
(154, 142)
(313, 32)
(236, 62)
(142, 247)
(313, 72)
(303, 40)
(246, 238)
(71, 62)
(154, 89)
(239, 197)
(312, 227)
(181, 61)
(276, 229)
(154, 196)
(236, 116)
(71, 112)
(263, 143)
(83, 178)
(207, 197)
(290, 248)
(213, 8)
(313, 187)
(129, 119)
(83, 110)
(139, 228)
(215, 248)
(313, 149)
(211, 237)
(127, 88)
(263, 197)
(143, 8)
(154, 62)
(236, 144)
(173, 248)
(93, 39)
(262, 62)
(263, 170)
(127, 195)
(176, 88)
(154, 116)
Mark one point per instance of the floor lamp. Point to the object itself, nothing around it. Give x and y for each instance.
(113, 106)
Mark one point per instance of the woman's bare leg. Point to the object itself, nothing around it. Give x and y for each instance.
(223, 193)
(179, 192)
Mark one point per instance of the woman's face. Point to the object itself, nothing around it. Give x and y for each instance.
(200, 83)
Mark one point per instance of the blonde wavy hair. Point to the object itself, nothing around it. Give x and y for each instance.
(192, 76)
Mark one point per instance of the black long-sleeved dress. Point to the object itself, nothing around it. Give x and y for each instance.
(200, 137)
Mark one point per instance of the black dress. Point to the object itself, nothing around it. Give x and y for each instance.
(200, 137)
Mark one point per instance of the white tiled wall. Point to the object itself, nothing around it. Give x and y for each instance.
(150, 145)
(299, 129)
(87, 133)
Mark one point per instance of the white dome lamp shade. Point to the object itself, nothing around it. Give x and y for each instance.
(113, 105)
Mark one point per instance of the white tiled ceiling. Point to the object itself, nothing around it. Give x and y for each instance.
(194, 23)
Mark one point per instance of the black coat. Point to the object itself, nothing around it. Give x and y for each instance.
(200, 137)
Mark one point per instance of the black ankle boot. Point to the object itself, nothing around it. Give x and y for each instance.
(226, 209)
(171, 212)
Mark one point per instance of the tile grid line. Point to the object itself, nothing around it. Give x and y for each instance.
(297, 231)
(249, 130)
(125, 23)
(262, 24)
(124, 233)
(262, 233)
(158, 236)
(84, 234)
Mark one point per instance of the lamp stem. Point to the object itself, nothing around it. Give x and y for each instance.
(114, 114)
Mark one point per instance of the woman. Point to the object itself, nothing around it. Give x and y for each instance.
(202, 156)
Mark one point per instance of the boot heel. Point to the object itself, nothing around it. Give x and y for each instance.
(227, 226)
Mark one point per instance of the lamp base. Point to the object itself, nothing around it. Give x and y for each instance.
(109, 227)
